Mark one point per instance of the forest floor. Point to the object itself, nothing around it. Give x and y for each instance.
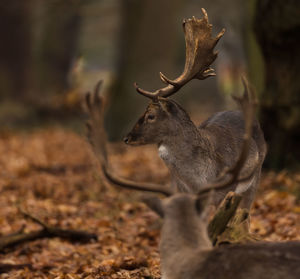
(53, 175)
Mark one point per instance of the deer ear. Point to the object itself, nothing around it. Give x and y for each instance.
(169, 107)
(155, 204)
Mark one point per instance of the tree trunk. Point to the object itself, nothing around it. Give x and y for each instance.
(15, 48)
(277, 27)
(58, 45)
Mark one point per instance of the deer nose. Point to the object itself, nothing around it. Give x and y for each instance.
(126, 140)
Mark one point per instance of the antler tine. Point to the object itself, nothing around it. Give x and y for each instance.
(144, 92)
(199, 56)
(248, 103)
(219, 36)
(97, 98)
(205, 16)
(97, 137)
(124, 183)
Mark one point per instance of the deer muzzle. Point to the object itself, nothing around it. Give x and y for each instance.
(132, 139)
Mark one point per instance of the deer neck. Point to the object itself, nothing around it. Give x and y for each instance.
(184, 143)
(184, 234)
(189, 157)
(181, 240)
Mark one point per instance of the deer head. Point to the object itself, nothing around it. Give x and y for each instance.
(160, 122)
(162, 115)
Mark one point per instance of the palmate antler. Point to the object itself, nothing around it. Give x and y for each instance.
(199, 56)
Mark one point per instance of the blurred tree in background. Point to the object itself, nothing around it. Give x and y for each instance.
(39, 40)
(277, 26)
(58, 44)
(15, 48)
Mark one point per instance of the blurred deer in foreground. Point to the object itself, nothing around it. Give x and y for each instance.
(185, 248)
(197, 155)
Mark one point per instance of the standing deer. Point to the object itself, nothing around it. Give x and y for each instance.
(196, 155)
(185, 248)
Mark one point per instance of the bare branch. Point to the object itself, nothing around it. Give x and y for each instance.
(46, 231)
(32, 218)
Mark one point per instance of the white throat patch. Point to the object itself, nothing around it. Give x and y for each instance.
(163, 152)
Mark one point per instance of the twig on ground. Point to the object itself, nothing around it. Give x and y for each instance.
(46, 231)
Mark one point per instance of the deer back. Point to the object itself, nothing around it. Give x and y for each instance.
(227, 129)
(249, 261)
(226, 132)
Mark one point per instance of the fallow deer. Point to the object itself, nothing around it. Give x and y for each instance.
(185, 248)
(195, 155)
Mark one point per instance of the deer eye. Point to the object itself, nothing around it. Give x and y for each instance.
(150, 117)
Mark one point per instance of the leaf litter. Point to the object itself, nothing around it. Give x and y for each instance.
(53, 175)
